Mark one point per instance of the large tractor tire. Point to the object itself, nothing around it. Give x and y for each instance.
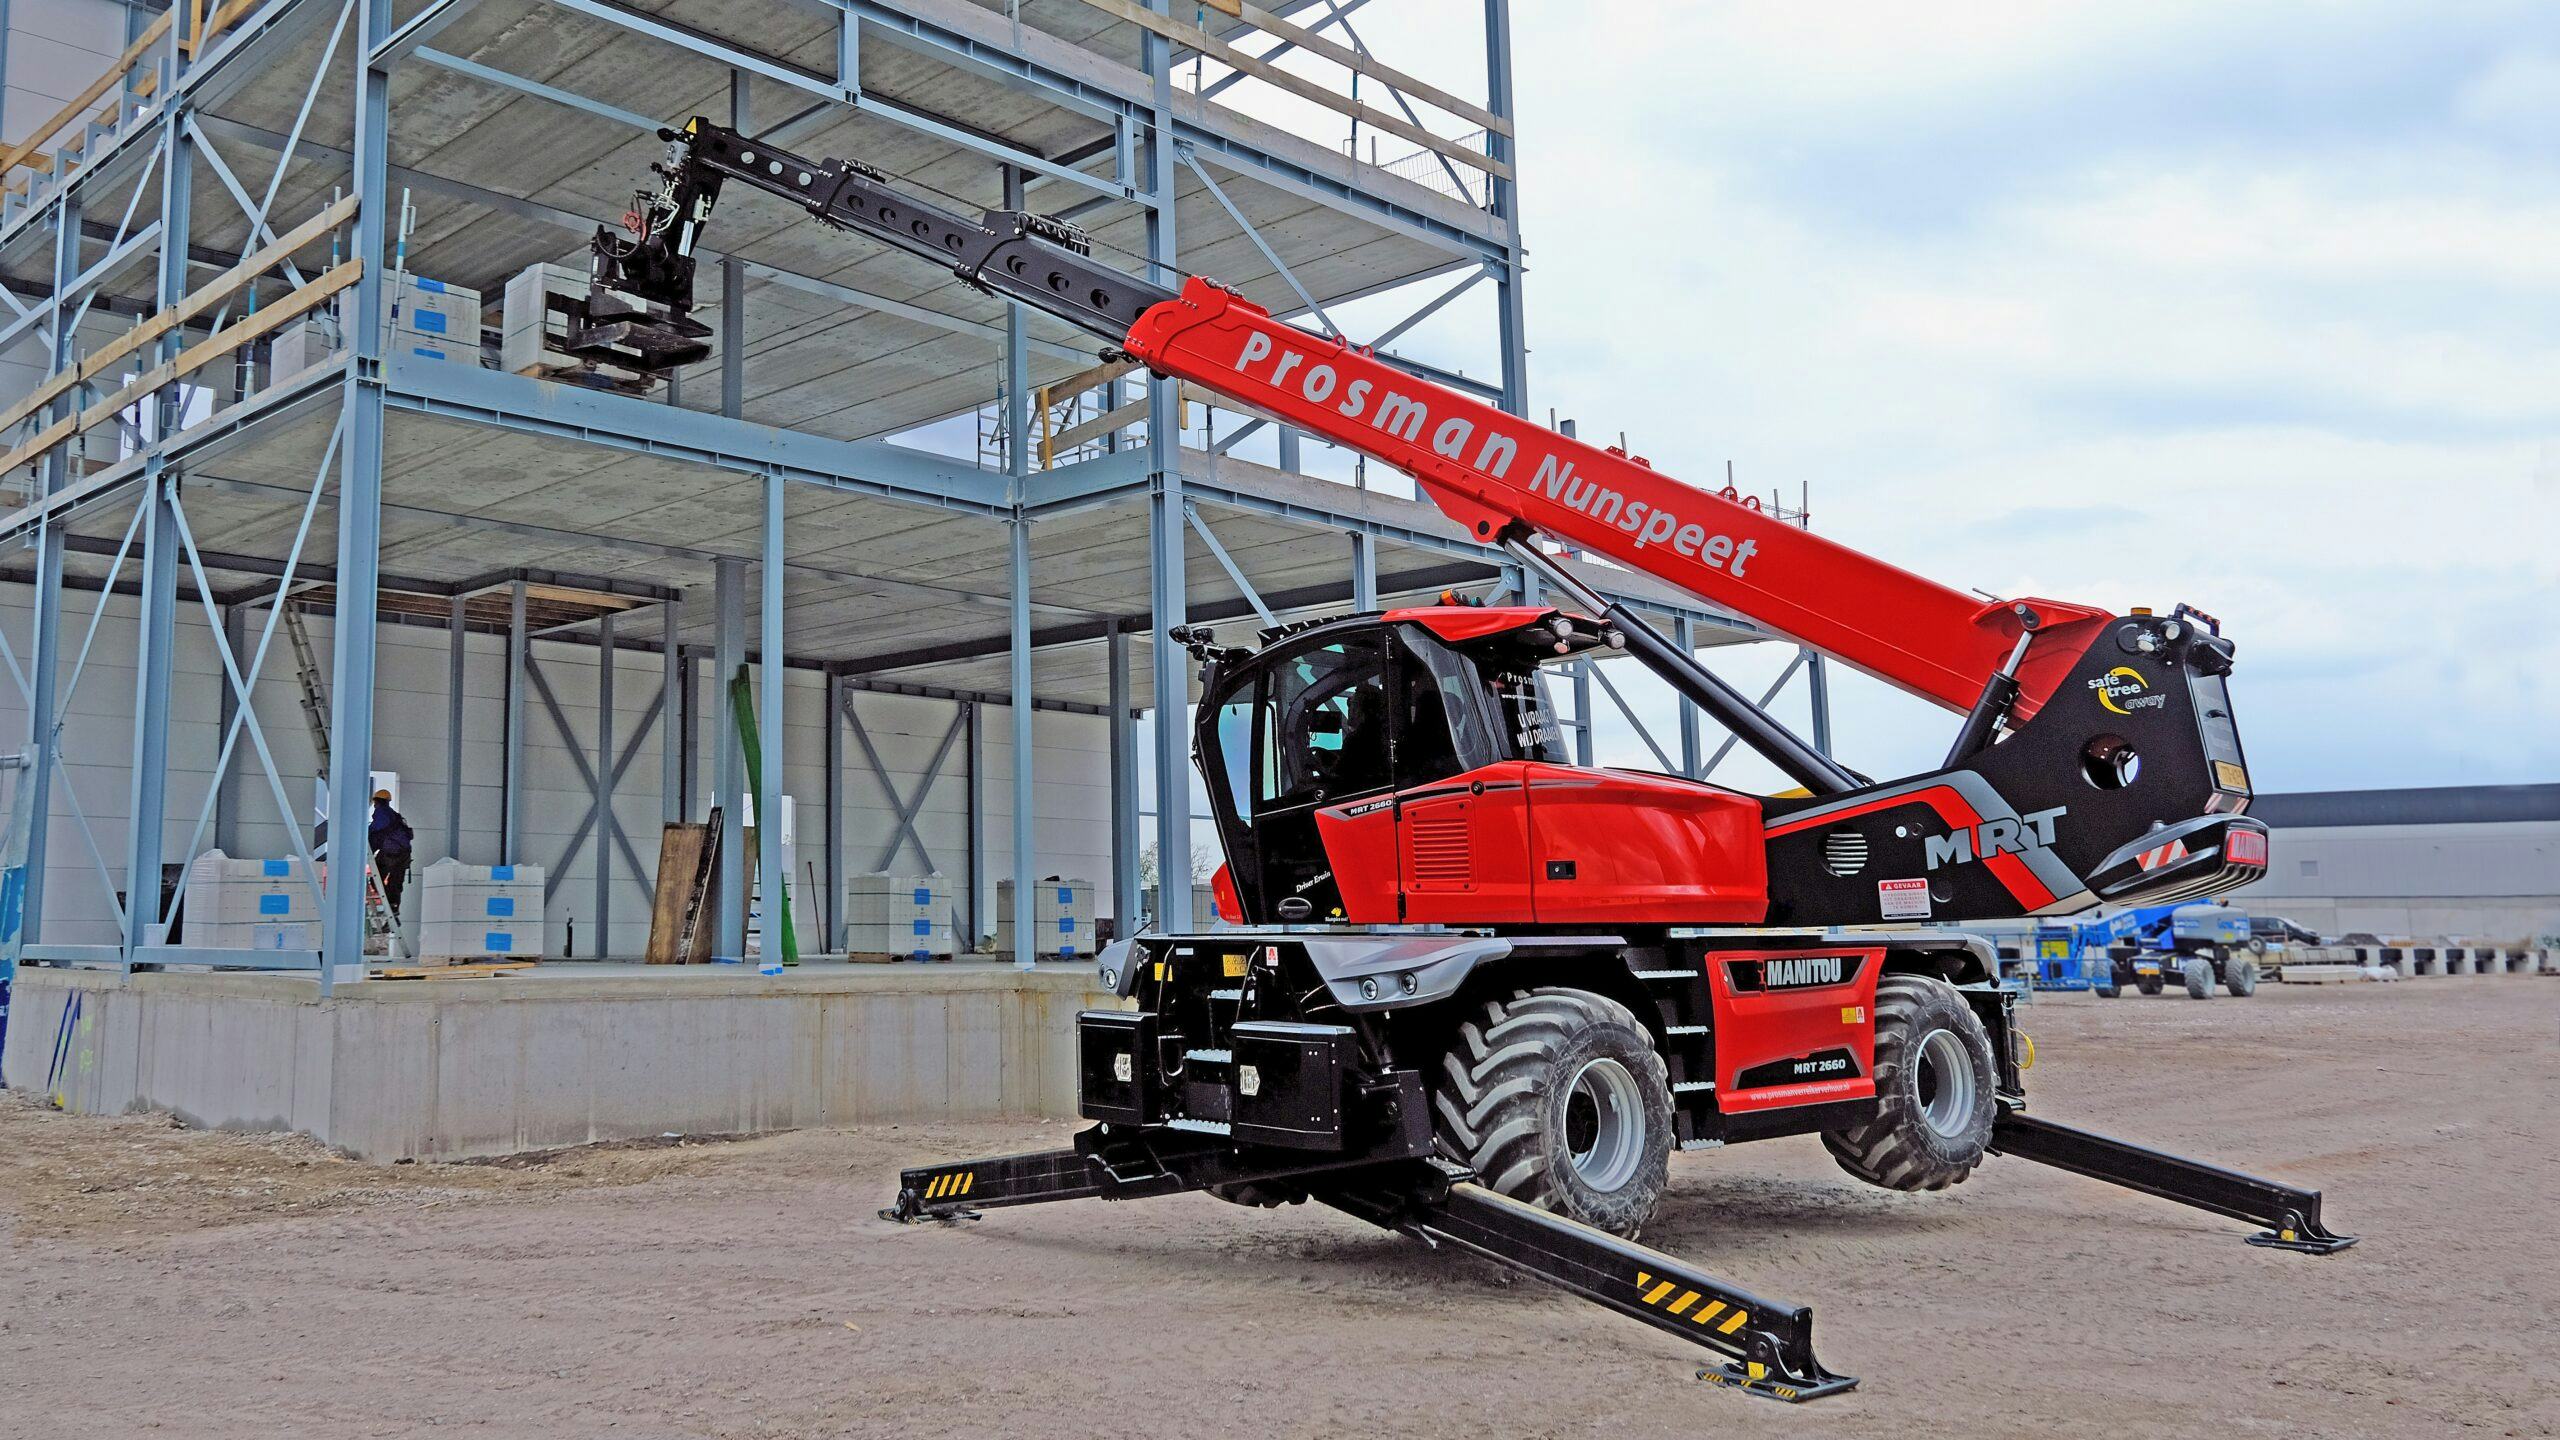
(2240, 975)
(2197, 971)
(1936, 1087)
(1558, 1098)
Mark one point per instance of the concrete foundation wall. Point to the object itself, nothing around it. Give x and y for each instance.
(451, 1069)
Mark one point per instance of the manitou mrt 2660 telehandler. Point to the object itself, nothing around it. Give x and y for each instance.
(1479, 993)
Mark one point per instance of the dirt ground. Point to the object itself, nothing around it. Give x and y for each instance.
(160, 1280)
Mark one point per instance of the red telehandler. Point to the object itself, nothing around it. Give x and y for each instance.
(1480, 994)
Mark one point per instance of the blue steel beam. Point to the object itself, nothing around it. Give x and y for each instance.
(1165, 506)
(772, 878)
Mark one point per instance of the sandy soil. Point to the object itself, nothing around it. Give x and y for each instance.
(158, 1280)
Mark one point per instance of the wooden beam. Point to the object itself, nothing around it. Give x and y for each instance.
(80, 103)
(1359, 64)
(221, 287)
(211, 29)
(1228, 55)
(195, 357)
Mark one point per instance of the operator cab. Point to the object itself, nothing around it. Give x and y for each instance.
(1383, 769)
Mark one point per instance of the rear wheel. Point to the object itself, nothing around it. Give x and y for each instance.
(2147, 984)
(2240, 975)
(1557, 1097)
(1935, 1090)
(2197, 971)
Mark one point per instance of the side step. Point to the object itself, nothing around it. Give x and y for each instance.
(1771, 1345)
(2292, 1216)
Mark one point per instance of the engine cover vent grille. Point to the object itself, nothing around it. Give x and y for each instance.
(1442, 857)
(1844, 852)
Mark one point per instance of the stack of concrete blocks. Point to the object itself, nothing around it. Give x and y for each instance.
(429, 320)
(1061, 919)
(533, 328)
(251, 904)
(1204, 906)
(477, 912)
(899, 917)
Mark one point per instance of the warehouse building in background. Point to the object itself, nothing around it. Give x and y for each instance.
(2478, 862)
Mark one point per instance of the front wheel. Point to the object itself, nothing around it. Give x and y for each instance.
(1935, 1090)
(1558, 1098)
(2197, 971)
(2240, 975)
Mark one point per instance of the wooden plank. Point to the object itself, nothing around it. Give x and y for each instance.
(681, 849)
(1357, 63)
(1228, 55)
(79, 104)
(193, 358)
(210, 30)
(211, 293)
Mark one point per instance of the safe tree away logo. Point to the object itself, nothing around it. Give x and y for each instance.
(2123, 690)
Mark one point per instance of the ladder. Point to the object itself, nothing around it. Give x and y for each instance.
(378, 919)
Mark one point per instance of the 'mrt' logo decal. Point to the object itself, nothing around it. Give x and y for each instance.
(2033, 831)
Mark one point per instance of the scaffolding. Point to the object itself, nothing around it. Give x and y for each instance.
(261, 161)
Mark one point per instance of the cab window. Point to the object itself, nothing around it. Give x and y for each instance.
(1324, 725)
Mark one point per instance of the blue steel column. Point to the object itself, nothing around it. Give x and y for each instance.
(976, 804)
(733, 289)
(770, 875)
(359, 521)
(728, 783)
(226, 800)
(1818, 681)
(1017, 455)
(1504, 197)
(1165, 526)
(44, 659)
(826, 906)
(604, 786)
(157, 632)
(673, 734)
(1026, 872)
(1364, 571)
(1684, 632)
(511, 821)
(457, 640)
(1124, 786)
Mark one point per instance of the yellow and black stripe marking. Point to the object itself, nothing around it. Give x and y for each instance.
(951, 1185)
(1653, 1292)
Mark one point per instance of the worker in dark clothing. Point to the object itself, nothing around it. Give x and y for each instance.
(391, 839)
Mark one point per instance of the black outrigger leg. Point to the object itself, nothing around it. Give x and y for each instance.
(1771, 1345)
(2292, 1216)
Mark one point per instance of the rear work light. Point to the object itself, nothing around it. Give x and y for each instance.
(2246, 847)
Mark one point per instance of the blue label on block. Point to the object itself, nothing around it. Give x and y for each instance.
(278, 867)
(423, 353)
(1066, 896)
(502, 905)
(497, 940)
(924, 927)
(1067, 950)
(924, 895)
(275, 904)
(1066, 924)
(432, 287)
(429, 322)
(502, 872)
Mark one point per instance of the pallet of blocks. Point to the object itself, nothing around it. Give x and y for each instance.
(245, 904)
(1061, 919)
(479, 912)
(898, 917)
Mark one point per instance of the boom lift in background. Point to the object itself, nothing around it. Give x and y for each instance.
(1480, 994)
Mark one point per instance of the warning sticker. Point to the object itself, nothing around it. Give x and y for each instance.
(1903, 899)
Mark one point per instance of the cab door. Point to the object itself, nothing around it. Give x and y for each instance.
(1462, 812)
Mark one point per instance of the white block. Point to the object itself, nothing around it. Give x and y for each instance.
(1061, 919)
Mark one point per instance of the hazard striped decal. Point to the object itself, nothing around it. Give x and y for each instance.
(952, 1185)
(2160, 855)
(1652, 1292)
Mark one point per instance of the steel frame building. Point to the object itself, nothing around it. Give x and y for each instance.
(347, 142)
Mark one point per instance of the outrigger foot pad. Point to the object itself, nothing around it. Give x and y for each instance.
(2291, 1214)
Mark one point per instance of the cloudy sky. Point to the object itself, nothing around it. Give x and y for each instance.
(2254, 306)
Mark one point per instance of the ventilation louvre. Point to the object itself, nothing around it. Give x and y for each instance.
(1844, 852)
(1440, 854)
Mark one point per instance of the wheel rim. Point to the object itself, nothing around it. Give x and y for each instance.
(1947, 1084)
(1604, 1124)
